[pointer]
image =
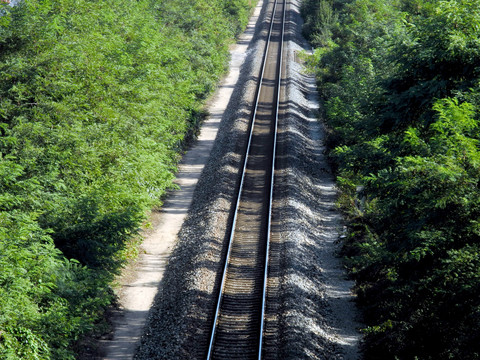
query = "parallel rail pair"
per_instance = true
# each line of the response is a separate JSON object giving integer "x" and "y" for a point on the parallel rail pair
{"x": 238, "y": 324}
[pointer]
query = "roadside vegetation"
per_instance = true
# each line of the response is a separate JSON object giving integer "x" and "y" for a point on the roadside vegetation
{"x": 97, "y": 99}
{"x": 400, "y": 83}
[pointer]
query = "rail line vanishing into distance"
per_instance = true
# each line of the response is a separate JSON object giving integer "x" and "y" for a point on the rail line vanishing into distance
{"x": 238, "y": 324}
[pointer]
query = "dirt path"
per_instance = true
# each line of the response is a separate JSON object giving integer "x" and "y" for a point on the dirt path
{"x": 138, "y": 291}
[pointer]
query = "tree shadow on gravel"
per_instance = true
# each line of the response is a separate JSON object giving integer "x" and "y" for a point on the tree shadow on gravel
{"x": 309, "y": 224}
{"x": 306, "y": 302}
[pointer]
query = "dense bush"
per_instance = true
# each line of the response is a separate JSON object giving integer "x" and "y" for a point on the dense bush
{"x": 400, "y": 82}
{"x": 96, "y": 101}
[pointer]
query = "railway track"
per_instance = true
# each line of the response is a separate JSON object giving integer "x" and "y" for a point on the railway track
{"x": 238, "y": 324}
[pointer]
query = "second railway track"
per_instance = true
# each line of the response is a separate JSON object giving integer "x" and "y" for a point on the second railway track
{"x": 238, "y": 322}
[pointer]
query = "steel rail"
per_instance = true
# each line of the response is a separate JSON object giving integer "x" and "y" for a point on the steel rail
{"x": 238, "y": 199}
{"x": 272, "y": 180}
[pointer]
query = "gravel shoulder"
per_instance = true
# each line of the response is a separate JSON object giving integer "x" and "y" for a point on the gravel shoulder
{"x": 318, "y": 317}
{"x": 312, "y": 315}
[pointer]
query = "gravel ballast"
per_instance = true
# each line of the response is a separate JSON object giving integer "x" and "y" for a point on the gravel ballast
{"x": 311, "y": 314}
